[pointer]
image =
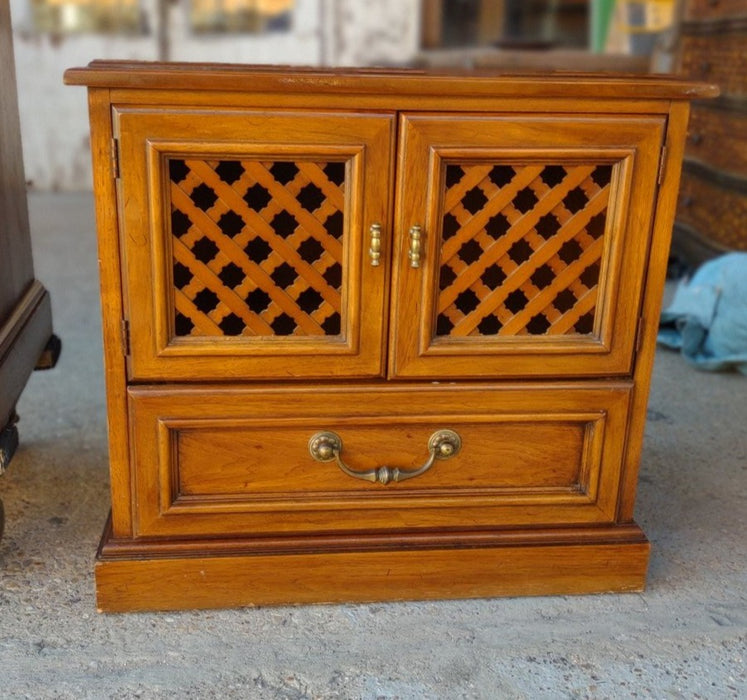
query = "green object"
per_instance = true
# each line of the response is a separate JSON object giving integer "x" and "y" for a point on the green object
{"x": 599, "y": 23}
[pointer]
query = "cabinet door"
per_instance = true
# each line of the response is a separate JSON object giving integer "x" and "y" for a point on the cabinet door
{"x": 246, "y": 242}
{"x": 521, "y": 244}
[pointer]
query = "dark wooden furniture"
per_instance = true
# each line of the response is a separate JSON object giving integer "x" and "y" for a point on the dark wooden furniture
{"x": 712, "y": 212}
{"x": 25, "y": 310}
{"x": 376, "y": 335}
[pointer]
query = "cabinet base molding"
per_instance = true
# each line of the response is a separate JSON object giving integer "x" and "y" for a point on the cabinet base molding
{"x": 139, "y": 576}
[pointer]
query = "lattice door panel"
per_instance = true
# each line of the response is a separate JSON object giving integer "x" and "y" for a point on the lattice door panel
{"x": 257, "y": 246}
{"x": 521, "y": 249}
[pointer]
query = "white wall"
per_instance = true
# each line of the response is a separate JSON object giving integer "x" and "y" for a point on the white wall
{"x": 54, "y": 117}
{"x": 370, "y": 32}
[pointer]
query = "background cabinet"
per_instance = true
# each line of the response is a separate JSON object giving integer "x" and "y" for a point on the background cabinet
{"x": 25, "y": 308}
{"x": 376, "y": 335}
{"x": 712, "y": 211}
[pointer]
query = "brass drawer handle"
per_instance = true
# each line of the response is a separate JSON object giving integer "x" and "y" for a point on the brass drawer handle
{"x": 416, "y": 234}
{"x": 375, "y": 250}
{"x": 326, "y": 446}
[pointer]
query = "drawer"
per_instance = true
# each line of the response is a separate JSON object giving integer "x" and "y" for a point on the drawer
{"x": 707, "y": 132}
{"x": 715, "y": 212}
{"x": 718, "y": 58}
{"x": 713, "y": 9}
{"x": 212, "y": 460}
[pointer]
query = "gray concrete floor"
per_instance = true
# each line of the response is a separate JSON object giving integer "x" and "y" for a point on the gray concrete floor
{"x": 685, "y": 637}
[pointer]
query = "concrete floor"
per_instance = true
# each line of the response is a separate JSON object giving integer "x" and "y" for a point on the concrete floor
{"x": 685, "y": 637}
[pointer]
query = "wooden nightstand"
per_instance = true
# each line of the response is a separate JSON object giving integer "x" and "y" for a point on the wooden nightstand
{"x": 377, "y": 335}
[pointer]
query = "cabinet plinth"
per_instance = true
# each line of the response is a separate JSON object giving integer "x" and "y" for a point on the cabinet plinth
{"x": 376, "y": 335}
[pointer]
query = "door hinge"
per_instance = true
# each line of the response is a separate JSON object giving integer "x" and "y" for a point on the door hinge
{"x": 125, "y": 337}
{"x": 662, "y": 165}
{"x": 639, "y": 333}
{"x": 115, "y": 158}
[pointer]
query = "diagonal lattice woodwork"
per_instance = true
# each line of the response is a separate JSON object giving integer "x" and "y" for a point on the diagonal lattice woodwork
{"x": 521, "y": 249}
{"x": 257, "y": 247}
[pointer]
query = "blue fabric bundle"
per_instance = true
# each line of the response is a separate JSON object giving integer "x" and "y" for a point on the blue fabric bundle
{"x": 707, "y": 319}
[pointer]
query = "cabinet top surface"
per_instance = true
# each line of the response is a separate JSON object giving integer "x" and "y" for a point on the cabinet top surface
{"x": 287, "y": 79}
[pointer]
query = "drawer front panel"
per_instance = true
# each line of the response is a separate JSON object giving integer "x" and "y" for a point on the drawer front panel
{"x": 237, "y": 461}
{"x": 213, "y": 463}
{"x": 527, "y": 245}
{"x": 246, "y": 242}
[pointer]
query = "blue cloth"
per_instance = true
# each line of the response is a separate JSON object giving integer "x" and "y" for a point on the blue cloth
{"x": 707, "y": 319}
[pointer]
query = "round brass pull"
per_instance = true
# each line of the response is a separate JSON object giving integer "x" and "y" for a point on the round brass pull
{"x": 326, "y": 446}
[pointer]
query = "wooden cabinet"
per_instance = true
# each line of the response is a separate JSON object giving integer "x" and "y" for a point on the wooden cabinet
{"x": 385, "y": 327}
{"x": 712, "y": 212}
